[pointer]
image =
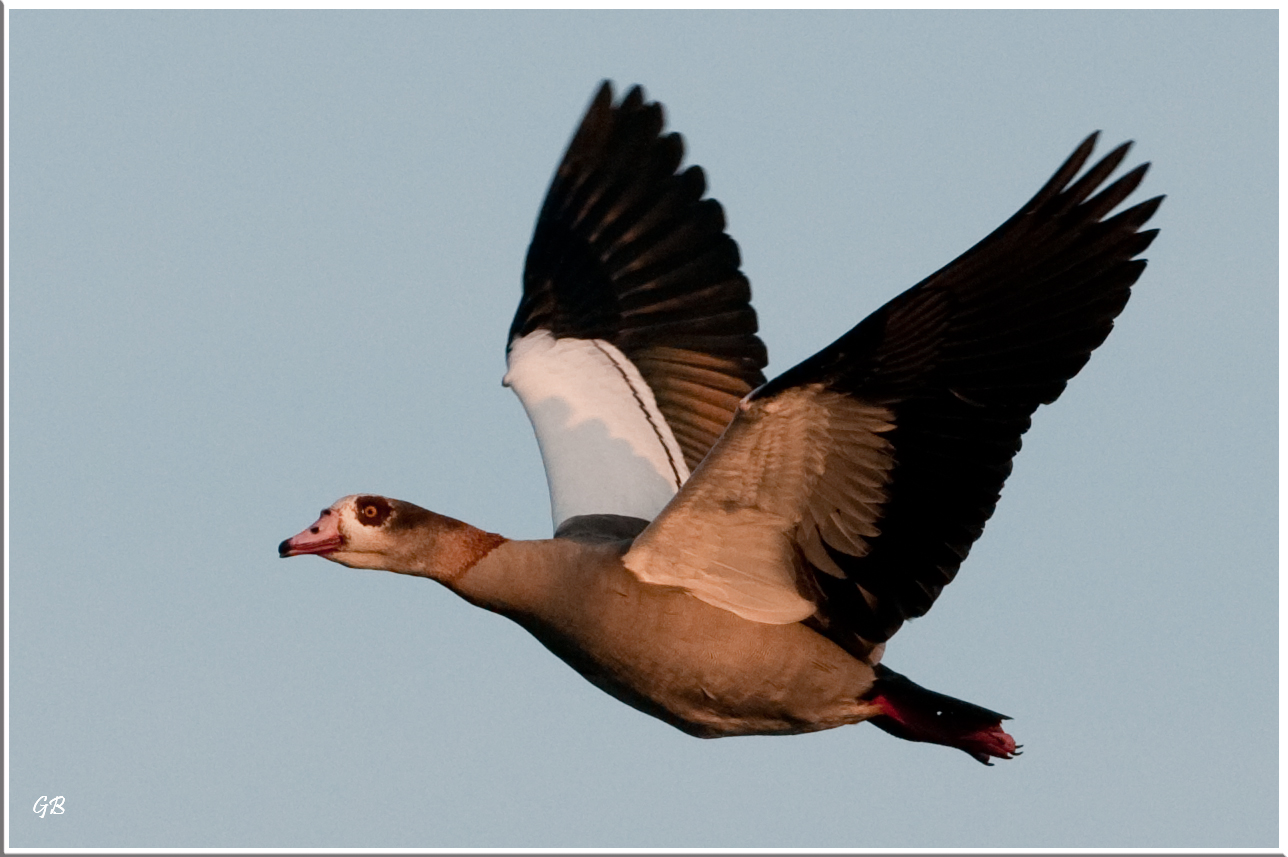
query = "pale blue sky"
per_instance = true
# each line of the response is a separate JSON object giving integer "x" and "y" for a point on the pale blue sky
{"x": 263, "y": 260}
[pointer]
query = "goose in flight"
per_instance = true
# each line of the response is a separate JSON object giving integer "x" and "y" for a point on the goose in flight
{"x": 732, "y": 555}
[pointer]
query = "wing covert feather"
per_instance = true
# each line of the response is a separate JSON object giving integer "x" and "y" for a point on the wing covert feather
{"x": 790, "y": 473}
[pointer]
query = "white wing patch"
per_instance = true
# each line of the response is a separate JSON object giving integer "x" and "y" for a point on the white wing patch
{"x": 606, "y": 447}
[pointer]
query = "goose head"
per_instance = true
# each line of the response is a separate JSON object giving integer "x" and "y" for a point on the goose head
{"x": 362, "y": 531}
{"x": 370, "y": 531}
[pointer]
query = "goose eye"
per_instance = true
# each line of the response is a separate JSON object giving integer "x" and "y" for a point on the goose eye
{"x": 371, "y": 511}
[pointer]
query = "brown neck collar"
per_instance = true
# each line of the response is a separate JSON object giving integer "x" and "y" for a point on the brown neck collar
{"x": 463, "y": 550}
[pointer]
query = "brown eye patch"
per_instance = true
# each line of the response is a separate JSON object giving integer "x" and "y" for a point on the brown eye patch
{"x": 372, "y": 511}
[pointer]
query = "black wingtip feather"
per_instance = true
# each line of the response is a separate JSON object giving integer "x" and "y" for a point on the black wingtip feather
{"x": 1065, "y": 173}
{"x": 1078, "y": 192}
{"x": 1106, "y": 200}
{"x": 1141, "y": 214}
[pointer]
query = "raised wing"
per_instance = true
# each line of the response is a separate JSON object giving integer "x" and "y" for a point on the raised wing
{"x": 848, "y": 491}
{"x": 635, "y": 338}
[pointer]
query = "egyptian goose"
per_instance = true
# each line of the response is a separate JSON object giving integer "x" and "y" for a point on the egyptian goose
{"x": 730, "y": 555}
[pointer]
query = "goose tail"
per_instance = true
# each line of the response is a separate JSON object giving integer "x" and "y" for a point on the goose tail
{"x": 914, "y": 713}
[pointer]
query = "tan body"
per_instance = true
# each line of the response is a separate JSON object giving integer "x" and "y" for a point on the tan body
{"x": 702, "y": 669}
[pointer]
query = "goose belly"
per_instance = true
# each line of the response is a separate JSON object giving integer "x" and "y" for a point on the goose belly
{"x": 705, "y": 671}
